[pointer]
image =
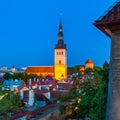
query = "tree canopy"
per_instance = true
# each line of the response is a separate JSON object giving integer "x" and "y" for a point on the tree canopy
{"x": 10, "y": 103}
{"x": 88, "y": 98}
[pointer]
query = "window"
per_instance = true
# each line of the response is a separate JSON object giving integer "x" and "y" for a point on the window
{"x": 59, "y": 61}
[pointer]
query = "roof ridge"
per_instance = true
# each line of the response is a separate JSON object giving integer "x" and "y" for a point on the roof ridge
{"x": 107, "y": 11}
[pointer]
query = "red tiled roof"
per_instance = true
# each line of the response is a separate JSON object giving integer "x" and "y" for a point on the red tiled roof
{"x": 40, "y": 69}
{"x": 42, "y": 83}
{"x": 57, "y": 94}
{"x": 89, "y": 61}
{"x": 40, "y": 91}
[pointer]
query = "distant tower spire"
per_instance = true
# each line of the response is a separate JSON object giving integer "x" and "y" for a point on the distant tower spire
{"x": 13, "y": 66}
{"x": 60, "y": 33}
{"x": 60, "y": 43}
{"x": 60, "y": 19}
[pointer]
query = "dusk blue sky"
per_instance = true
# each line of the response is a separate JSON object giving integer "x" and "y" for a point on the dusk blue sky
{"x": 29, "y": 28}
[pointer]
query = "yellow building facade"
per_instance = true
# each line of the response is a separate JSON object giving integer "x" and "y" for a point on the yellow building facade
{"x": 60, "y": 64}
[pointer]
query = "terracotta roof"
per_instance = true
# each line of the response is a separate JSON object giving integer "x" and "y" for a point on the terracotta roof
{"x": 40, "y": 91}
{"x": 89, "y": 61}
{"x": 57, "y": 94}
{"x": 110, "y": 17}
{"x": 45, "y": 81}
{"x": 40, "y": 69}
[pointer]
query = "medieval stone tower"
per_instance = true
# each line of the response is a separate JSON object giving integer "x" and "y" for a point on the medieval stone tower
{"x": 109, "y": 23}
{"x": 60, "y": 62}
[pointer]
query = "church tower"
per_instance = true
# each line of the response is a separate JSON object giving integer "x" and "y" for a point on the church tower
{"x": 60, "y": 61}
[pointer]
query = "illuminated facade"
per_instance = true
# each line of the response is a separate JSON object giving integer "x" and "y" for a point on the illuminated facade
{"x": 41, "y": 70}
{"x": 59, "y": 70}
{"x": 60, "y": 59}
{"x": 82, "y": 70}
{"x": 89, "y": 64}
{"x": 13, "y": 69}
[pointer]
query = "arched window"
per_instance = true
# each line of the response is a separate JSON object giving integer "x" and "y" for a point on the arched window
{"x": 59, "y": 61}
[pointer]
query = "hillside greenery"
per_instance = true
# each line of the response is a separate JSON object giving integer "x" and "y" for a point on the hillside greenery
{"x": 88, "y": 96}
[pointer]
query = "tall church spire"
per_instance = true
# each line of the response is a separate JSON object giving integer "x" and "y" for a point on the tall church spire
{"x": 60, "y": 33}
{"x": 60, "y": 25}
{"x": 60, "y": 43}
{"x": 60, "y": 54}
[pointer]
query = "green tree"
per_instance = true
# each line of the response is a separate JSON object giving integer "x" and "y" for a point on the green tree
{"x": 89, "y": 97}
{"x": 9, "y": 104}
{"x": 7, "y": 76}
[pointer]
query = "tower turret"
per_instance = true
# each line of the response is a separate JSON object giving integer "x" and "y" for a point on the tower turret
{"x": 109, "y": 23}
{"x": 89, "y": 64}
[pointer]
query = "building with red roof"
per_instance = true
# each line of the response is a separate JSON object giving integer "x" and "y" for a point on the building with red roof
{"x": 59, "y": 70}
{"x": 41, "y": 70}
{"x": 89, "y": 64}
